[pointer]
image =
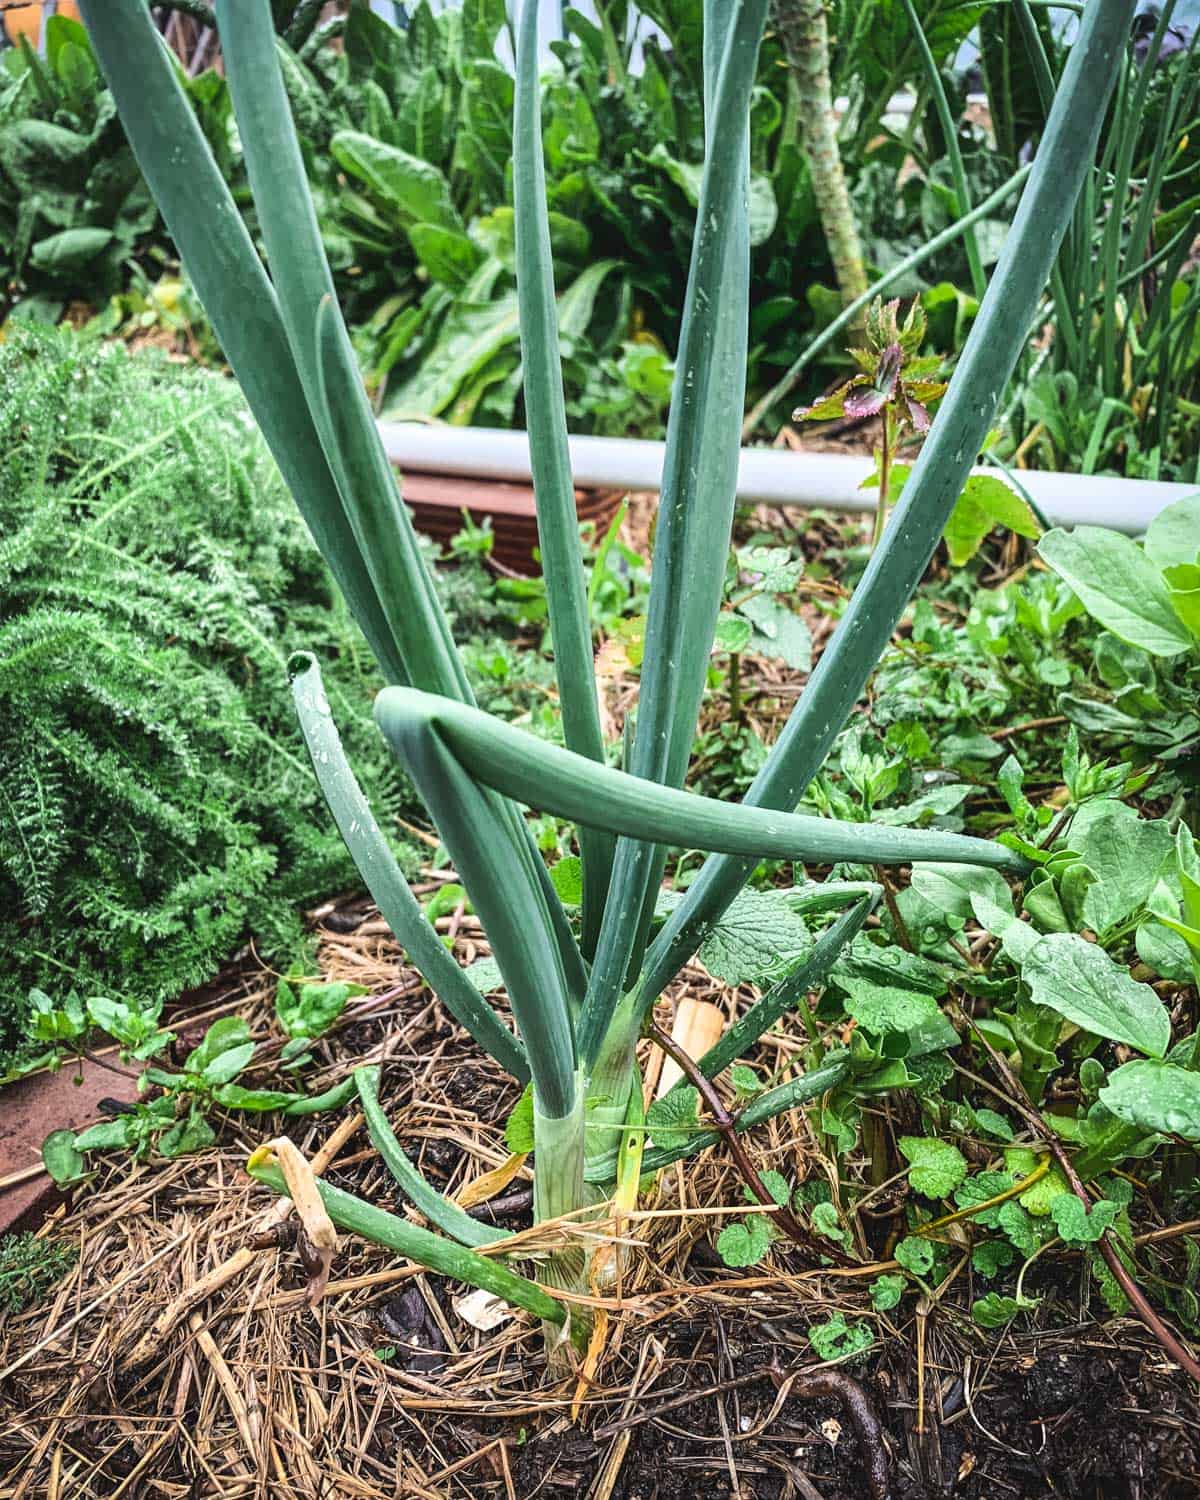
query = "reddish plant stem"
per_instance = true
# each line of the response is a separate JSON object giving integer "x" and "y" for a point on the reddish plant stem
{"x": 1138, "y": 1300}
{"x": 726, "y": 1125}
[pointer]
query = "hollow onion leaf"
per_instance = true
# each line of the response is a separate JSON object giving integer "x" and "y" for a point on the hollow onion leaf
{"x": 439, "y": 737}
{"x": 240, "y": 301}
{"x": 384, "y": 878}
{"x": 427, "y": 1249}
{"x": 554, "y": 489}
{"x": 993, "y": 346}
{"x": 440, "y": 1211}
{"x": 695, "y": 512}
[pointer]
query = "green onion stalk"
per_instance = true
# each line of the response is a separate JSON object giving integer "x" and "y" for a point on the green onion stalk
{"x": 580, "y": 991}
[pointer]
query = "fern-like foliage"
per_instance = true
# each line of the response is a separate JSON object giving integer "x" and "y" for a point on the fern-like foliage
{"x": 156, "y": 805}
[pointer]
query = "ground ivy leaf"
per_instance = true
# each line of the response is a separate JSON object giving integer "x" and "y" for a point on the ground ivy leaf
{"x": 758, "y": 937}
{"x": 485, "y": 975}
{"x": 1019, "y": 1226}
{"x": 1078, "y": 1225}
{"x": 776, "y": 1184}
{"x": 914, "y": 1254}
{"x": 990, "y": 1257}
{"x": 837, "y": 1339}
{"x": 672, "y": 1119}
{"x": 1079, "y": 981}
{"x": 745, "y": 1242}
{"x": 778, "y": 632}
{"x": 1156, "y": 1096}
{"x": 882, "y": 1008}
{"x": 825, "y": 1221}
{"x": 994, "y": 1310}
{"x": 936, "y": 1168}
{"x": 886, "y": 1291}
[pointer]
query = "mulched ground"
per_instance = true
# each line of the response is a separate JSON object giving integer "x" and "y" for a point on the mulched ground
{"x": 384, "y": 1390}
{"x": 127, "y": 1383}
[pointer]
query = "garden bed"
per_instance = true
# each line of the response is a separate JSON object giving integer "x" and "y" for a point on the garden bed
{"x": 384, "y": 1389}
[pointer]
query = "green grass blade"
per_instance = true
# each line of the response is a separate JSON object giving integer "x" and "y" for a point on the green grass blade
{"x": 383, "y": 532}
{"x": 554, "y": 489}
{"x": 436, "y": 737}
{"x": 384, "y": 878}
{"x": 695, "y": 512}
{"x": 207, "y": 228}
{"x": 950, "y": 131}
{"x": 440, "y": 1211}
{"x": 995, "y": 342}
{"x": 420, "y": 1245}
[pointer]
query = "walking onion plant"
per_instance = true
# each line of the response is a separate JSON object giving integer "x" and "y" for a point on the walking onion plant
{"x": 581, "y": 1002}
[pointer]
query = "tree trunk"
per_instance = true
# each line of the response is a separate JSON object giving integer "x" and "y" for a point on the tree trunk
{"x": 805, "y": 38}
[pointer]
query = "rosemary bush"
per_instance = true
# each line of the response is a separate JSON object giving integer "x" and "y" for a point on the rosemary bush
{"x": 580, "y": 998}
{"x": 156, "y": 806}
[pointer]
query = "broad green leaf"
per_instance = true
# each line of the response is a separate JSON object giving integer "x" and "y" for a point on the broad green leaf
{"x": 309, "y": 1010}
{"x": 985, "y": 502}
{"x": 227, "y": 1064}
{"x": 837, "y": 1339}
{"x": 518, "y": 1128}
{"x": 886, "y": 1291}
{"x": 759, "y": 937}
{"x": 221, "y": 1036}
{"x": 1119, "y": 585}
{"x": 953, "y": 888}
{"x": 447, "y": 254}
{"x": 1155, "y": 1096}
{"x": 567, "y": 878}
{"x": 778, "y": 632}
{"x": 1126, "y": 853}
{"x": 1078, "y": 1225}
{"x": 61, "y": 1157}
{"x": 108, "y": 1135}
{"x": 936, "y": 1167}
{"x": 995, "y": 1124}
{"x": 995, "y": 1310}
{"x": 990, "y": 1257}
{"x": 915, "y": 1254}
{"x": 234, "y": 1096}
{"x": 1079, "y": 981}
{"x": 1183, "y": 588}
{"x": 414, "y": 191}
{"x": 1173, "y": 536}
{"x": 66, "y": 251}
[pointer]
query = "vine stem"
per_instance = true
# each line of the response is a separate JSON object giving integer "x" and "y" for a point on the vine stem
{"x": 1138, "y": 1300}
{"x": 726, "y": 1125}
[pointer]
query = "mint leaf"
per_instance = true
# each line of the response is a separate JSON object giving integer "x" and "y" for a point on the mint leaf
{"x": 883, "y": 1008}
{"x": 672, "y": 1120}
{"x": 937, "y": 1166}
{"x": 518, "y": 1128}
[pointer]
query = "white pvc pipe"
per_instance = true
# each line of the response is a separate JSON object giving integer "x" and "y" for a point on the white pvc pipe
{"x": 775, "y": 476}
